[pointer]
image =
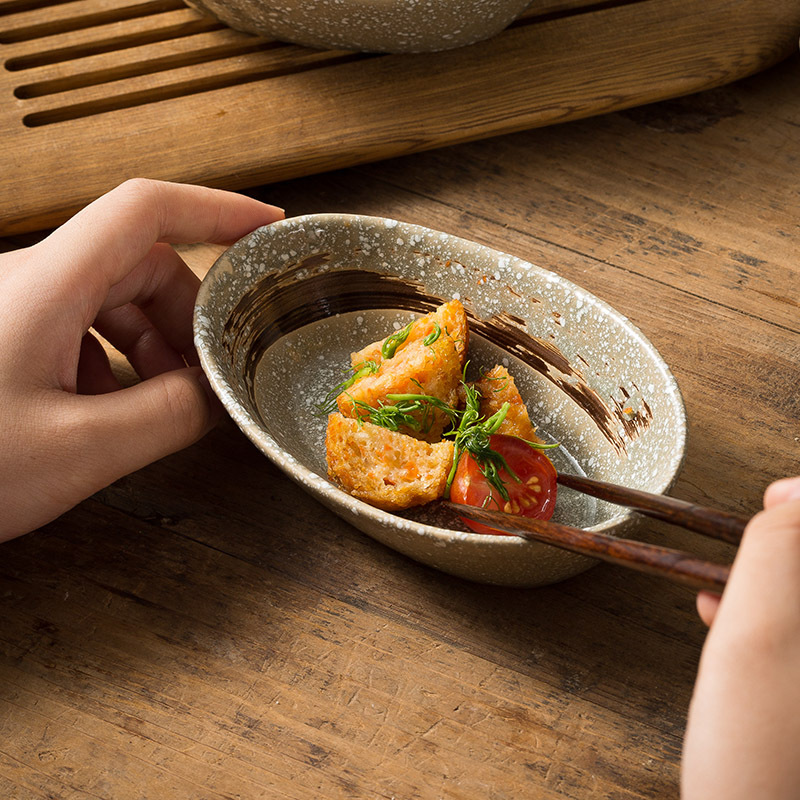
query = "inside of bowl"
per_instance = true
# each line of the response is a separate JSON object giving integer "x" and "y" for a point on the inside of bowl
{"x": 295, "y": 374}
{"x": 294, "y": 300}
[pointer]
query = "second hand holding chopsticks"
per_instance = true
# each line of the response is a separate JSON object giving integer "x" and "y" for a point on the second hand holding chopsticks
{"x": 675, "y": 565}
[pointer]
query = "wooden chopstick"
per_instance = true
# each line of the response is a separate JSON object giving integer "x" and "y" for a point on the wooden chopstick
{"x": 708, "y": 521}
{"x": 675, "y": 565}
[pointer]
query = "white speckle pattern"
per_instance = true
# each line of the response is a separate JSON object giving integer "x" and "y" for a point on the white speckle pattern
{"x": 604, "y": 349}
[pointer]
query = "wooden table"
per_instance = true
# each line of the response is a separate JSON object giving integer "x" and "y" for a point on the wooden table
{"x": 203, "y": 629}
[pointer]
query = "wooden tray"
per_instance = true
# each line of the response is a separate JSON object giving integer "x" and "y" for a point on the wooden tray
{"x": 96, "y": 91}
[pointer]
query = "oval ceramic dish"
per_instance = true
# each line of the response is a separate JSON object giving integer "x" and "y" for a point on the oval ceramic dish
{"x": 280, "y": 311}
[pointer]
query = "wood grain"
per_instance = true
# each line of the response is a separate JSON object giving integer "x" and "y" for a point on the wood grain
{"x": 202, "y": 629}
{"x": 238, "y": 114}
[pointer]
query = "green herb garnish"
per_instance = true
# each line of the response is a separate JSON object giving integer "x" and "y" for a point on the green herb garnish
{"x": 393, "y": 416}
{"x": 470, "y": 432}
{"x": 391, "y": 343}
{"x": 433, "y": 335}
{"x": 472, "y": 436}
{"x": 328, "y": 405}
{"x": 501, "y": 379}
{"x": 404, "y": 410}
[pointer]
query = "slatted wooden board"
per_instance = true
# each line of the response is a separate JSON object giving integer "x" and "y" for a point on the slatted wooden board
{"x": 96, "y": 91}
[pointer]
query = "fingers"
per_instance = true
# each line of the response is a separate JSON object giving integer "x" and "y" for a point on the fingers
{"x": 760, "y": 601}
{"x": 164, "y": 289}
{"x": 100, "y": 245}
{"x": 781, "y": 492}
{"x": 707, "y": 605}
{"x": 743, "y": 726}
{"x": 121, "y": 432}
{"x": 94, "y": 370}
{"x": 769, "y": 555}
{"x": 767, "y": 535}
{"x": 113, "y": 253}
{"x": 147, "y": 316}
{"x": 132, "y": 333}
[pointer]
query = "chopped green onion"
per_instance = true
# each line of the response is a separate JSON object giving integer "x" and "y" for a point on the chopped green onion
{"x": 433, "y": 335}
{"x": 328, "y": 405}
{"x": 391, "y": 343}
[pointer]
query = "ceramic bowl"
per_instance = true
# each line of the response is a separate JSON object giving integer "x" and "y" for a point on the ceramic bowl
{"x": 385, "y": 26}
{"x": 280, "y": 311}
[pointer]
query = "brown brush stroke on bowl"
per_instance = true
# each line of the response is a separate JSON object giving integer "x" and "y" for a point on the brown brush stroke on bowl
{"x": 307, "y": 292}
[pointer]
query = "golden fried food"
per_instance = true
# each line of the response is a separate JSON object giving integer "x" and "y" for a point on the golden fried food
{"x": 451, "y": 320}
{"x": 385, "y": 468}
{"x": 407, "y": 390}
{"x": 427, "y": 361}
{"x": 497, "y": 387}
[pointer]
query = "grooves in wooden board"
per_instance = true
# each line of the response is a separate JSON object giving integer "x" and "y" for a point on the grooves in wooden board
{"x": 19, "y": 6}
{"x": 91, "y": 20}
{"x": 150, "y": 67}
{"x": 34, "y": 59}
{"x": 227, "y": 47}
{"x": 667, "y": 48}
{"x": 184, "y": 89}
{"x": 112, "y": 43}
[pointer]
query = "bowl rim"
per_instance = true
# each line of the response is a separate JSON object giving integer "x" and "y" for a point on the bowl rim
{"x": 336, "y": 496}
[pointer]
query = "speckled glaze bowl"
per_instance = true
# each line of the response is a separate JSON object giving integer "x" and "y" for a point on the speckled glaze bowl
{"x": 280, "y": 311}
{"x": 385, "y": 26}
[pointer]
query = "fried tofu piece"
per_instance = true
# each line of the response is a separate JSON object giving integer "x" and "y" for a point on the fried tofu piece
{"x": 415, "y": 368}
{"x": 497, "y": 387}
{"x": 452, "y": 321}
{"x": 385, "y": 468}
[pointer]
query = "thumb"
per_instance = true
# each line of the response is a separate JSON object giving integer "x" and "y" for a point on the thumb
{"x": 781, "y": 492}
{"x": 743, "y": 726}
{"x": 769, "y": 550}
{"x": 122, "y": 431}
{"x": 763, "y": 585}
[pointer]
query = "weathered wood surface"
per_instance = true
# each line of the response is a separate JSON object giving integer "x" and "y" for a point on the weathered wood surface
{"x": 203, "y": 629}
{"x": 94, "y": 91}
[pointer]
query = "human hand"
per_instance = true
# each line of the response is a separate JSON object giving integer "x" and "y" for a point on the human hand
{"x": 744, "y": 720}
{"x": 69, "y": 428}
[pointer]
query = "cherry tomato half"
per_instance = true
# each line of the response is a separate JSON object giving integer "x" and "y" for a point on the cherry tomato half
{"x": 533, "y": 496}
